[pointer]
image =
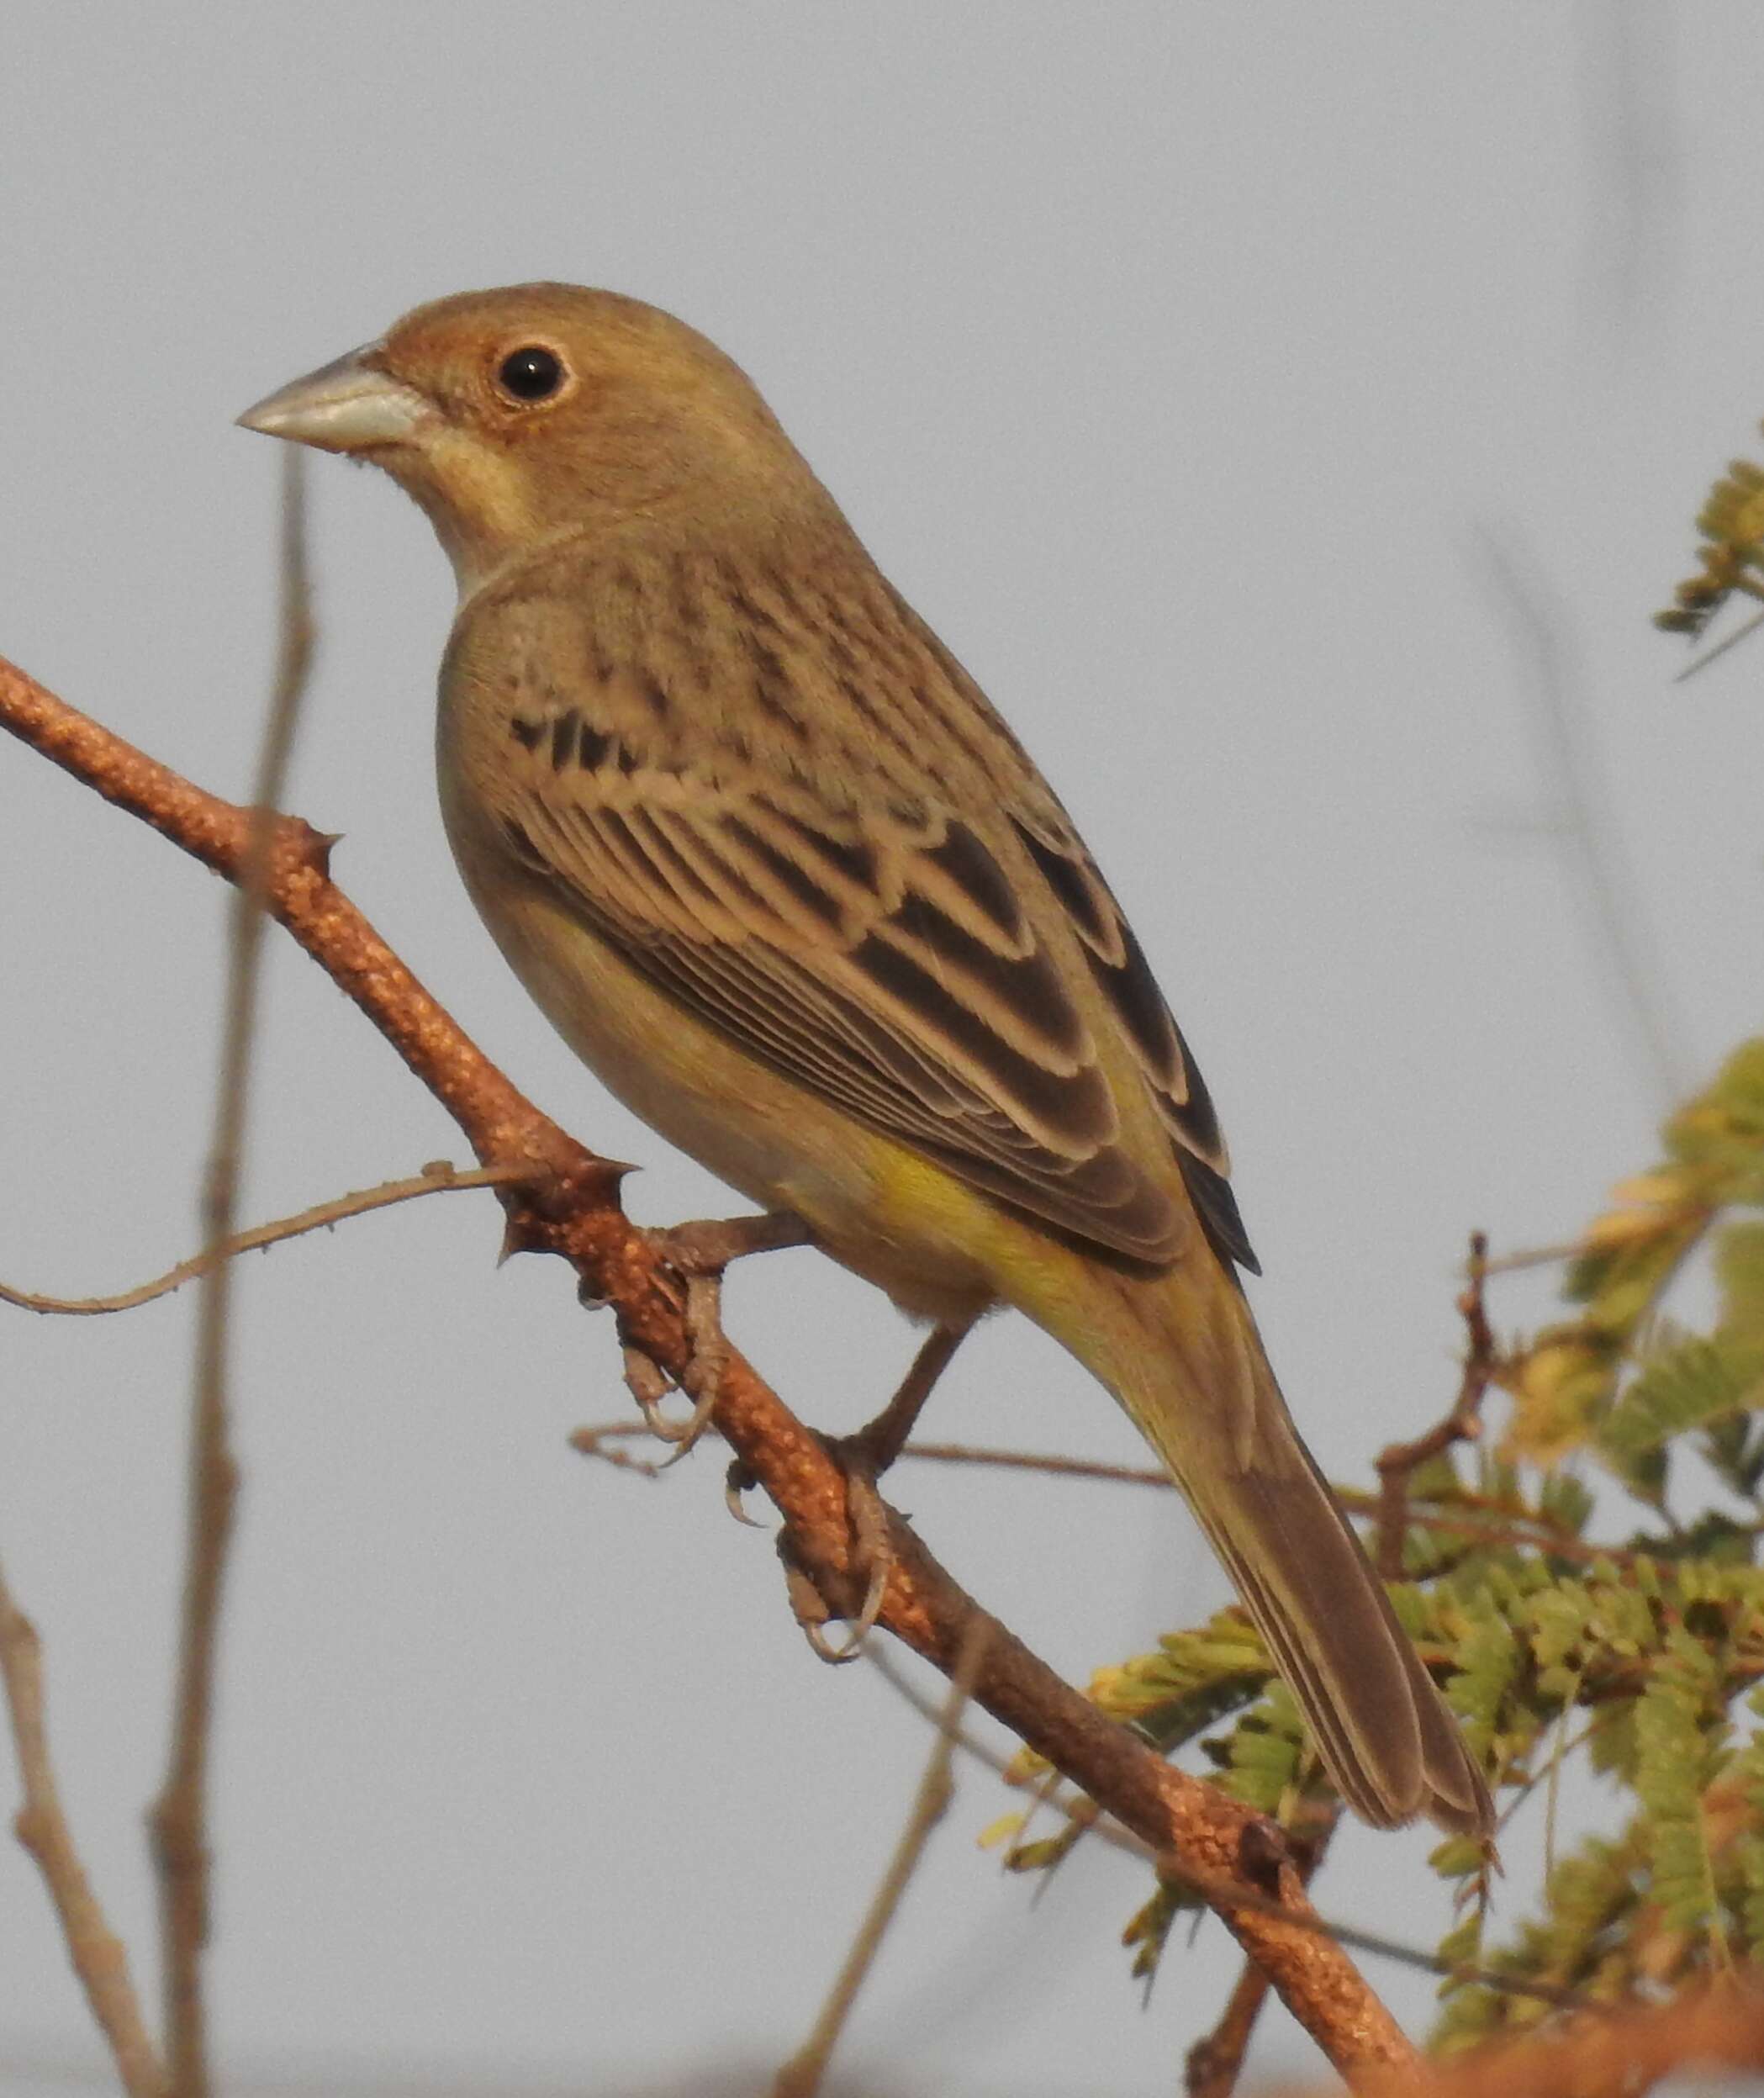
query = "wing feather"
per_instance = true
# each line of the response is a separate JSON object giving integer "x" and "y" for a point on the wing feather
{"x": 1118, "y": 963}
{"x": 884, "y": 960}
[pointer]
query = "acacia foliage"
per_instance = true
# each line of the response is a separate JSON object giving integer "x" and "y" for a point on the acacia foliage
{"x": 1623, "y": 1627}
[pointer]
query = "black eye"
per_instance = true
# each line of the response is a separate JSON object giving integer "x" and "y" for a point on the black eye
{"x": 532, "y": 373}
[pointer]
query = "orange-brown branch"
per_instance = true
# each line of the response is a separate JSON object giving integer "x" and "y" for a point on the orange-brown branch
{"x": 570, "y": 1206}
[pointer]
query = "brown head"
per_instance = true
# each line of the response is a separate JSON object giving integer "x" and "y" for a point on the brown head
{"x": 512, "y": 415}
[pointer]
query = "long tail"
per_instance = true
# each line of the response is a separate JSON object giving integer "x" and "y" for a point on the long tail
{"x": 1187, "y": 1362}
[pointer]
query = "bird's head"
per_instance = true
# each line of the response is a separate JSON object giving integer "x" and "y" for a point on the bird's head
{"x": 513, "y": 415}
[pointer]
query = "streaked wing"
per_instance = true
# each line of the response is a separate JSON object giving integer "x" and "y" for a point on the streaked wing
{"x": 879, "y": 956}
{"x": 1118, "y": 963}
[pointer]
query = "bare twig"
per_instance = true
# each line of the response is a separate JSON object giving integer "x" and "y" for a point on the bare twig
{"x": 1534, "y": 1256}
{"x": 1478, "y": 1522}
{"x": 1634, "y": 180}
{"x": 1585, "y": 825}
{"x": 99, "y": 1960}
{"x": 800, "y": 2076}
{"x": 1214, "y": 2063}
{"x": 1461, "y": 1423}
{"x": 1081, "y": 1812}
{"x": 602, "y": 1441}
{"x": 438, "y": 1179}
{"x": 179, "y": 1815}
{"x": 1358, "y": 1939}
{"x": 1028, "y": 1461}
{"x": 1718, "y": 649}
{"x": 570, "y": 1208}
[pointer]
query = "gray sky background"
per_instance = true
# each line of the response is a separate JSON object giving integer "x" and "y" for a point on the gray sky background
{"x": 1265, "y": 402}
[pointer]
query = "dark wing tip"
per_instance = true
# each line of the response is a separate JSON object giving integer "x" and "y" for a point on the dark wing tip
{"x": 1217, "y": 1206}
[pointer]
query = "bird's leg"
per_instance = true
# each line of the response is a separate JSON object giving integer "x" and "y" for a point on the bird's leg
{"x": 879, "y": 1442}
{"x": 699, "y": 1253}
{"x": 863, "y": 1457}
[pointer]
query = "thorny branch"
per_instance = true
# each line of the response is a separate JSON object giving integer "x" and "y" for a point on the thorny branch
{"x": 569, "y": 1206}
{"x": 439, "y": 1178}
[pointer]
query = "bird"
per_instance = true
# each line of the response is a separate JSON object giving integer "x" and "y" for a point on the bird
{"x": 769, "y": 859}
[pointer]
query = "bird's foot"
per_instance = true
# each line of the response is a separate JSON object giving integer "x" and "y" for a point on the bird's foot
{"x": 699, "y": 1253}
{"x": 871, "y": 1553}
{"x": 706, "y": 1247}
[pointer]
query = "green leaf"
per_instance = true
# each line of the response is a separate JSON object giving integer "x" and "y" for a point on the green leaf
{"x": 1740, "y": 1277}
{"x": 1691, "y": 1382}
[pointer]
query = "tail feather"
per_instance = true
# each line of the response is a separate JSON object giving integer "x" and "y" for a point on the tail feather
{"x": 1389, "y": 1745}
{"x": 1210, "y": 1406}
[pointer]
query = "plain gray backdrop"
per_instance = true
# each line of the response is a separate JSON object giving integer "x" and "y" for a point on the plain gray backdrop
{"x": 1292, "y": 415}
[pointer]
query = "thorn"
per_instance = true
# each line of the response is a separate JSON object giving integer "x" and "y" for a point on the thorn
{"x": 316, "y": 848}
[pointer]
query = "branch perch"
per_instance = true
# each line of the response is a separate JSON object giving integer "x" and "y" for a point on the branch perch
{"x": 569, "y": 1206}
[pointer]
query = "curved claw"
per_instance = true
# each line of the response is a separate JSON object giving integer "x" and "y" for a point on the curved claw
{"x": 683, "y": 1435}
{"x": 735, "y": 1483}
{"x": 873, "y": 1598}
{"x": 648, "y": 1385}
{"x": 859, "y": 1627}
{"x": 704, "y": 1374}
{"x": 825, "y": 1650}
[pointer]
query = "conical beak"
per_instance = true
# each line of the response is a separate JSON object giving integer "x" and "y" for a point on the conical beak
{"x": 347, "y": 406}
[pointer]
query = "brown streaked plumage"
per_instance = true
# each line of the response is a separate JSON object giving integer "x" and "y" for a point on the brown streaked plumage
{"x": 765, "y": 855}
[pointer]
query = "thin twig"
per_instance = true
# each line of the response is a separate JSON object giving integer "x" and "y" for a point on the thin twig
{"x": 1531, "y": 1533}
{"x": 1476, "y": 1518}
{"x": 1079, "y": 1811}
{"x": 99, "y": 1960}
{"x": 1028, "y": 1461}
{"x": 439, "y": 1179}
{"x": 1462, "y": 1421}
{"x": 1571, "y": 1745}
{"x": 1379, "y": 1947}
{"x": 602, "y": 1442}
{"x": 1535, "y": 1257}
{"x": 800, "y": 2076}
{"x": 1732, "y": 641}
{"x": 179, "y": 1816}
{"x": 1633, "y": 173}
{"x": 1587, "y": 829}
{"x": 1478, "y": 1521}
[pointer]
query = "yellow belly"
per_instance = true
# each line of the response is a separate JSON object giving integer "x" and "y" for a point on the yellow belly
{"x": 894, "y": 1218}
